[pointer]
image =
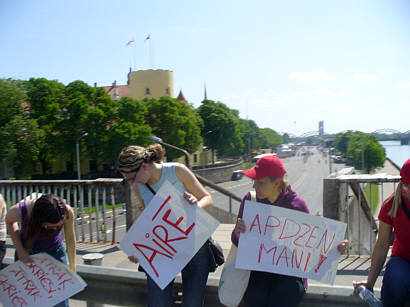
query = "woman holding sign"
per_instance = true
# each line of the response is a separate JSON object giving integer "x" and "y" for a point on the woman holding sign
{"x": 42, "y": 221}
{"x": 265, "y": 288}
{"x": 394, "y": 216}
{"x": 143, "y": 169}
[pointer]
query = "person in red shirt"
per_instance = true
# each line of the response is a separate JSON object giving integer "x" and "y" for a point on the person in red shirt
{"x": 394, "y": 216}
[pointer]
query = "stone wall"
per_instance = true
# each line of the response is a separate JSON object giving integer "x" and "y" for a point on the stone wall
{"x": 221, "y": 173}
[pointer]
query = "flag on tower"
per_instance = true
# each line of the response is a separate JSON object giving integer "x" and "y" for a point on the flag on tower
{"x": 131, "y": 42}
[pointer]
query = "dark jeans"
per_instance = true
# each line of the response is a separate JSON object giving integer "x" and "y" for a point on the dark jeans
{"x": 396, "y": 282}
{"x": 273, "y": 290}
{"x": 194, "y": 277}
{"x": 2, "y": 251}
{"x": 59, "y": 254}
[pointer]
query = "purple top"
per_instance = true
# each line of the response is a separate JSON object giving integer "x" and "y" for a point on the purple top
{"x": 43, "y": 243}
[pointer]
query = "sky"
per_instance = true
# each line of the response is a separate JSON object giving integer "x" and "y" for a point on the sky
{"x": 284, "y": 64}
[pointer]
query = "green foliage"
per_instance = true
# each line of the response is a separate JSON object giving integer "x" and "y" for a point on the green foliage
{"x": 270, "y": 138}
{"x": 342, "y": 140}
{"x": 372, "y": 194}
{"x": 285, "y": 138}
{"x": 374, "y": 153}
{"x": 44, "y": 98}
{"x": 20, "y": 136}
{"x": 130, "y": 128}
{"x": 176, "y": 123}
{"x": 221, "y": 131}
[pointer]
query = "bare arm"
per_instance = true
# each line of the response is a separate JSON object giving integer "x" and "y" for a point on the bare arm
{"x": 200, "y": 196}
{"x": 70, "y": 238}
{"x": 12, "y": 218}
{"x": 379, "y": 254}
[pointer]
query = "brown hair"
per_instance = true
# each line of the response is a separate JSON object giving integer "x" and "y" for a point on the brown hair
{"x": 46, "y": 209}
{"x": 131, "y": 157}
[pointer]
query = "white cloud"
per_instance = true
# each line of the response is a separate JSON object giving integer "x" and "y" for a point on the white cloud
{"x": 365, "y": 78}
{"x": 270, "y": 92}
{"x": 404, "y": 85}
{"x": 320, "y": 75}
{"x": 324, "y": 92}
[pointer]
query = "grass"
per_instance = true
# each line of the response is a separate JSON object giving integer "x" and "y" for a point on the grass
{"x": 107, "y": 207}
{"x": 375, "y": 195}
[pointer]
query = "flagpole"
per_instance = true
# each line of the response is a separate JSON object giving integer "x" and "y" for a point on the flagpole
{"x": 135, "y": 57}
{"x": 151, "y": 55}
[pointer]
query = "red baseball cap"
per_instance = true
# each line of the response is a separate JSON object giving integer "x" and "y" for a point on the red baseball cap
{"x": 405, "y": 172}
{"x": 266, "y": 166}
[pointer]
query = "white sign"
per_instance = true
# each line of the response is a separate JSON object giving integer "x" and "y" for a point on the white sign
{"x": 167, "y": 234}
{"x": 44, "y": 282}
{"x": 289, "y": 242}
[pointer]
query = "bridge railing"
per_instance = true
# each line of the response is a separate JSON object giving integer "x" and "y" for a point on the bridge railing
{"x": 356, "y": 200}
{"x": 95, "y": 202}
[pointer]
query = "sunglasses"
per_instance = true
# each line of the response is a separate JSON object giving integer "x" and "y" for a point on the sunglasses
{"x": 54, "y": 227}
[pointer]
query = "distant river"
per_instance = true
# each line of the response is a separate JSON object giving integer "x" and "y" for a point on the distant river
{"x": 396, "y": 152}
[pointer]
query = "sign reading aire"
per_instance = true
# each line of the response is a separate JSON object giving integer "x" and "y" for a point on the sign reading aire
{"x": 167, "y": 234}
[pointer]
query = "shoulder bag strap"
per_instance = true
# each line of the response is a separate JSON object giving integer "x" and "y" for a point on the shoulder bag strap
{"x": 150, "y": 188}
{"x": 253, "y": 196}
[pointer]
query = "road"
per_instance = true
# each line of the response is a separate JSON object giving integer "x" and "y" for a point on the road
{"x": 305, "y": 174}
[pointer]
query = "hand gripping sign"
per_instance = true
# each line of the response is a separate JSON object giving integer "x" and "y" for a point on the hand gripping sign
{"x": 289, "y": 242}
{"x": 167, "y": 234}
{"x": 44, "y": 282}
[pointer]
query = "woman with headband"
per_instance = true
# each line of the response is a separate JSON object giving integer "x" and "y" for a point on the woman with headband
{"x": 143, "y": 169}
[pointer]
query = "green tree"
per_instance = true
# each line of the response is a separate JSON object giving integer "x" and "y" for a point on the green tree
{"x": 342, "y": 140}
{"x": 374, "y": 153}
{"x": 176, "y": 123}
{"x": 250, "y": 135}
{"x": 130, "y": 128}
{"x": 221, "y": 130}
{"x": 102, "y": 116}
{"x": 285, "y": 138}
{"x": 78, "y": 101}
{"x": 19, "y": 135}
{"x": 270, "y": 138}
{"x": 45, "y": 98}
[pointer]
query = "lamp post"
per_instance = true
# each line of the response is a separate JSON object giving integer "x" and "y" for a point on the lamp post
{"x": 159, "y": 141}
{"x": 77, "y": 146}
{"x": 362, "y": 153}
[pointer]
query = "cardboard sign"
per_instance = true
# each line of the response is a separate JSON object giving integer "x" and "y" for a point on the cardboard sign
{"x": 167, "y": 234}
{"x": 289, "y": 242}
{"x": 44, "y": 282}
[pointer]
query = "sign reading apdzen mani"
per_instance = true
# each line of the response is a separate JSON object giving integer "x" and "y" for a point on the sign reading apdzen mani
{"x": 289, "y": 242}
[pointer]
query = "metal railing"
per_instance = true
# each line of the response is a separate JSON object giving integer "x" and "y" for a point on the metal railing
{"x": 93, "y": 201}
{"x": 356, "y": 200}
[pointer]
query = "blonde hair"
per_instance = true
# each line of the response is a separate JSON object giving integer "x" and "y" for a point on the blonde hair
{"x": 397, "y": 200}
{"x": 2, "y": 204}
{"x": 283, "y": 182}
{"x": 131, "y": 157}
